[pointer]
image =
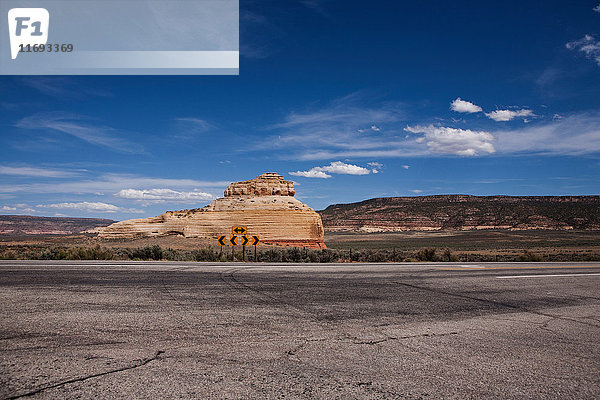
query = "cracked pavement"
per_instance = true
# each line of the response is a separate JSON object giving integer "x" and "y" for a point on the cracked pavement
{"x": 355, "y": 331}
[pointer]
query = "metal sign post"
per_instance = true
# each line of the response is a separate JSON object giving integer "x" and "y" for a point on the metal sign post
{"x": 245, "y": 241}
{"x": 255, "y": 242}
{"x": 222, "y": 240}
{"x": 233, "y": 243}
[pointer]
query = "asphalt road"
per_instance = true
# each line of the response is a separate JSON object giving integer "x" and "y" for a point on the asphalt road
{"x": 141, "y": 330}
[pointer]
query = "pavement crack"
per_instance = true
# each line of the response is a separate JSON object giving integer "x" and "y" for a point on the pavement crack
{"x": 371, "y": 342}
{"x": 494, "y": 302}
{"x": 229, "y": 278}
{"x": 135, "y": 364}
{"x": 390, "y": 338}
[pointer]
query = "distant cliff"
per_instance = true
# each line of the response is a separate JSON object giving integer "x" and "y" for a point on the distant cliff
{"x": 28, "y": 225}
{"x": 463, "y": 212}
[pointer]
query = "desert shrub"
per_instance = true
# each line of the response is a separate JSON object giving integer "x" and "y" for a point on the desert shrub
{"x": 205, "y": 255}
{"x": 374, "y": 256}
{"x": 529, "y": 257}
{"x": 427, "y": 254}
{"x": 293, "y": 254}
{"x": 147, "y": 253}
{"x": 447, "y": 255}
{"x": 327, "y": 255}
{"x": 8, "y": 255}
{"x": 272, "y": 255}
{"x": 313, "y": 256}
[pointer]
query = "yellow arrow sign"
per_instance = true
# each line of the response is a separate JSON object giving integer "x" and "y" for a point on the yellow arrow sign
{"x": 239, "y": 230}
{"x": 245, "y": 240}
{"x": 255, "y": 240}
{"x": 233, "y": 240}
{"x": 222, "y": 240}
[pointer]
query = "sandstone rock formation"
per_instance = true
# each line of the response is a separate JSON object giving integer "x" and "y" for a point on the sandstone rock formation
{"x": 268, "y": 184}
{"x": 265, "y": 205}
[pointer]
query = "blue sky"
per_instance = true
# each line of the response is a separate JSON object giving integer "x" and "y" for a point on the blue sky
{"x": 349, "y": 99}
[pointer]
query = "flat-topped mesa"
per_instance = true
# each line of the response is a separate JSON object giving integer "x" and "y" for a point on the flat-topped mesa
{"x": 265, "y": 205}
{"x": 267, "y": 184}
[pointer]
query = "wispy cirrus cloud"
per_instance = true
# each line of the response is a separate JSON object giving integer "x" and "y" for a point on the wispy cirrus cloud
{"x": 573, "y": 135}
{"x": 338, "y": 126}
{"x": 79, "y": 127}
{"x": 108, "y": 183}
{"x": 61, "y": 87}
{"x": 37, "y": 172}
{"x": 191, "y": 127}
{"x": 199, "y": 124}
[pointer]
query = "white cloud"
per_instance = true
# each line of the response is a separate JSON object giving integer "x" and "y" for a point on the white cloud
{"x": 312, "y": 173}
{"x": 508, "y": 115}
{"x": 375, "y": 167}
{"x": 588, "y": 45}
{"x": 336, "y": 167}
{"x": 374, "y": 128}
{"x": 19, "y": 208}
{"x": 163, "y": 195}
{"x": 36, "y": 172}
{"x": 464, "y": 106}
{"x": 90, "y": 206}
{"x": 462, "y": 142}
{"x": 406, "y": 166}
{"x": 597, "y": 8}
{"x": 417, "y": 191}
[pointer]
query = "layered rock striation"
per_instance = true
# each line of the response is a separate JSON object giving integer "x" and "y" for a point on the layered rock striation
{"x": 30, "y": 225}
{"x": 265, "y": 205}
{"x": 464, "y": 212}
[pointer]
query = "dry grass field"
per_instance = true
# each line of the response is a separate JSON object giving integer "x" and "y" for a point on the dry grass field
{"x": 542, "y": 243}
{"x": 497, "y": 245}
